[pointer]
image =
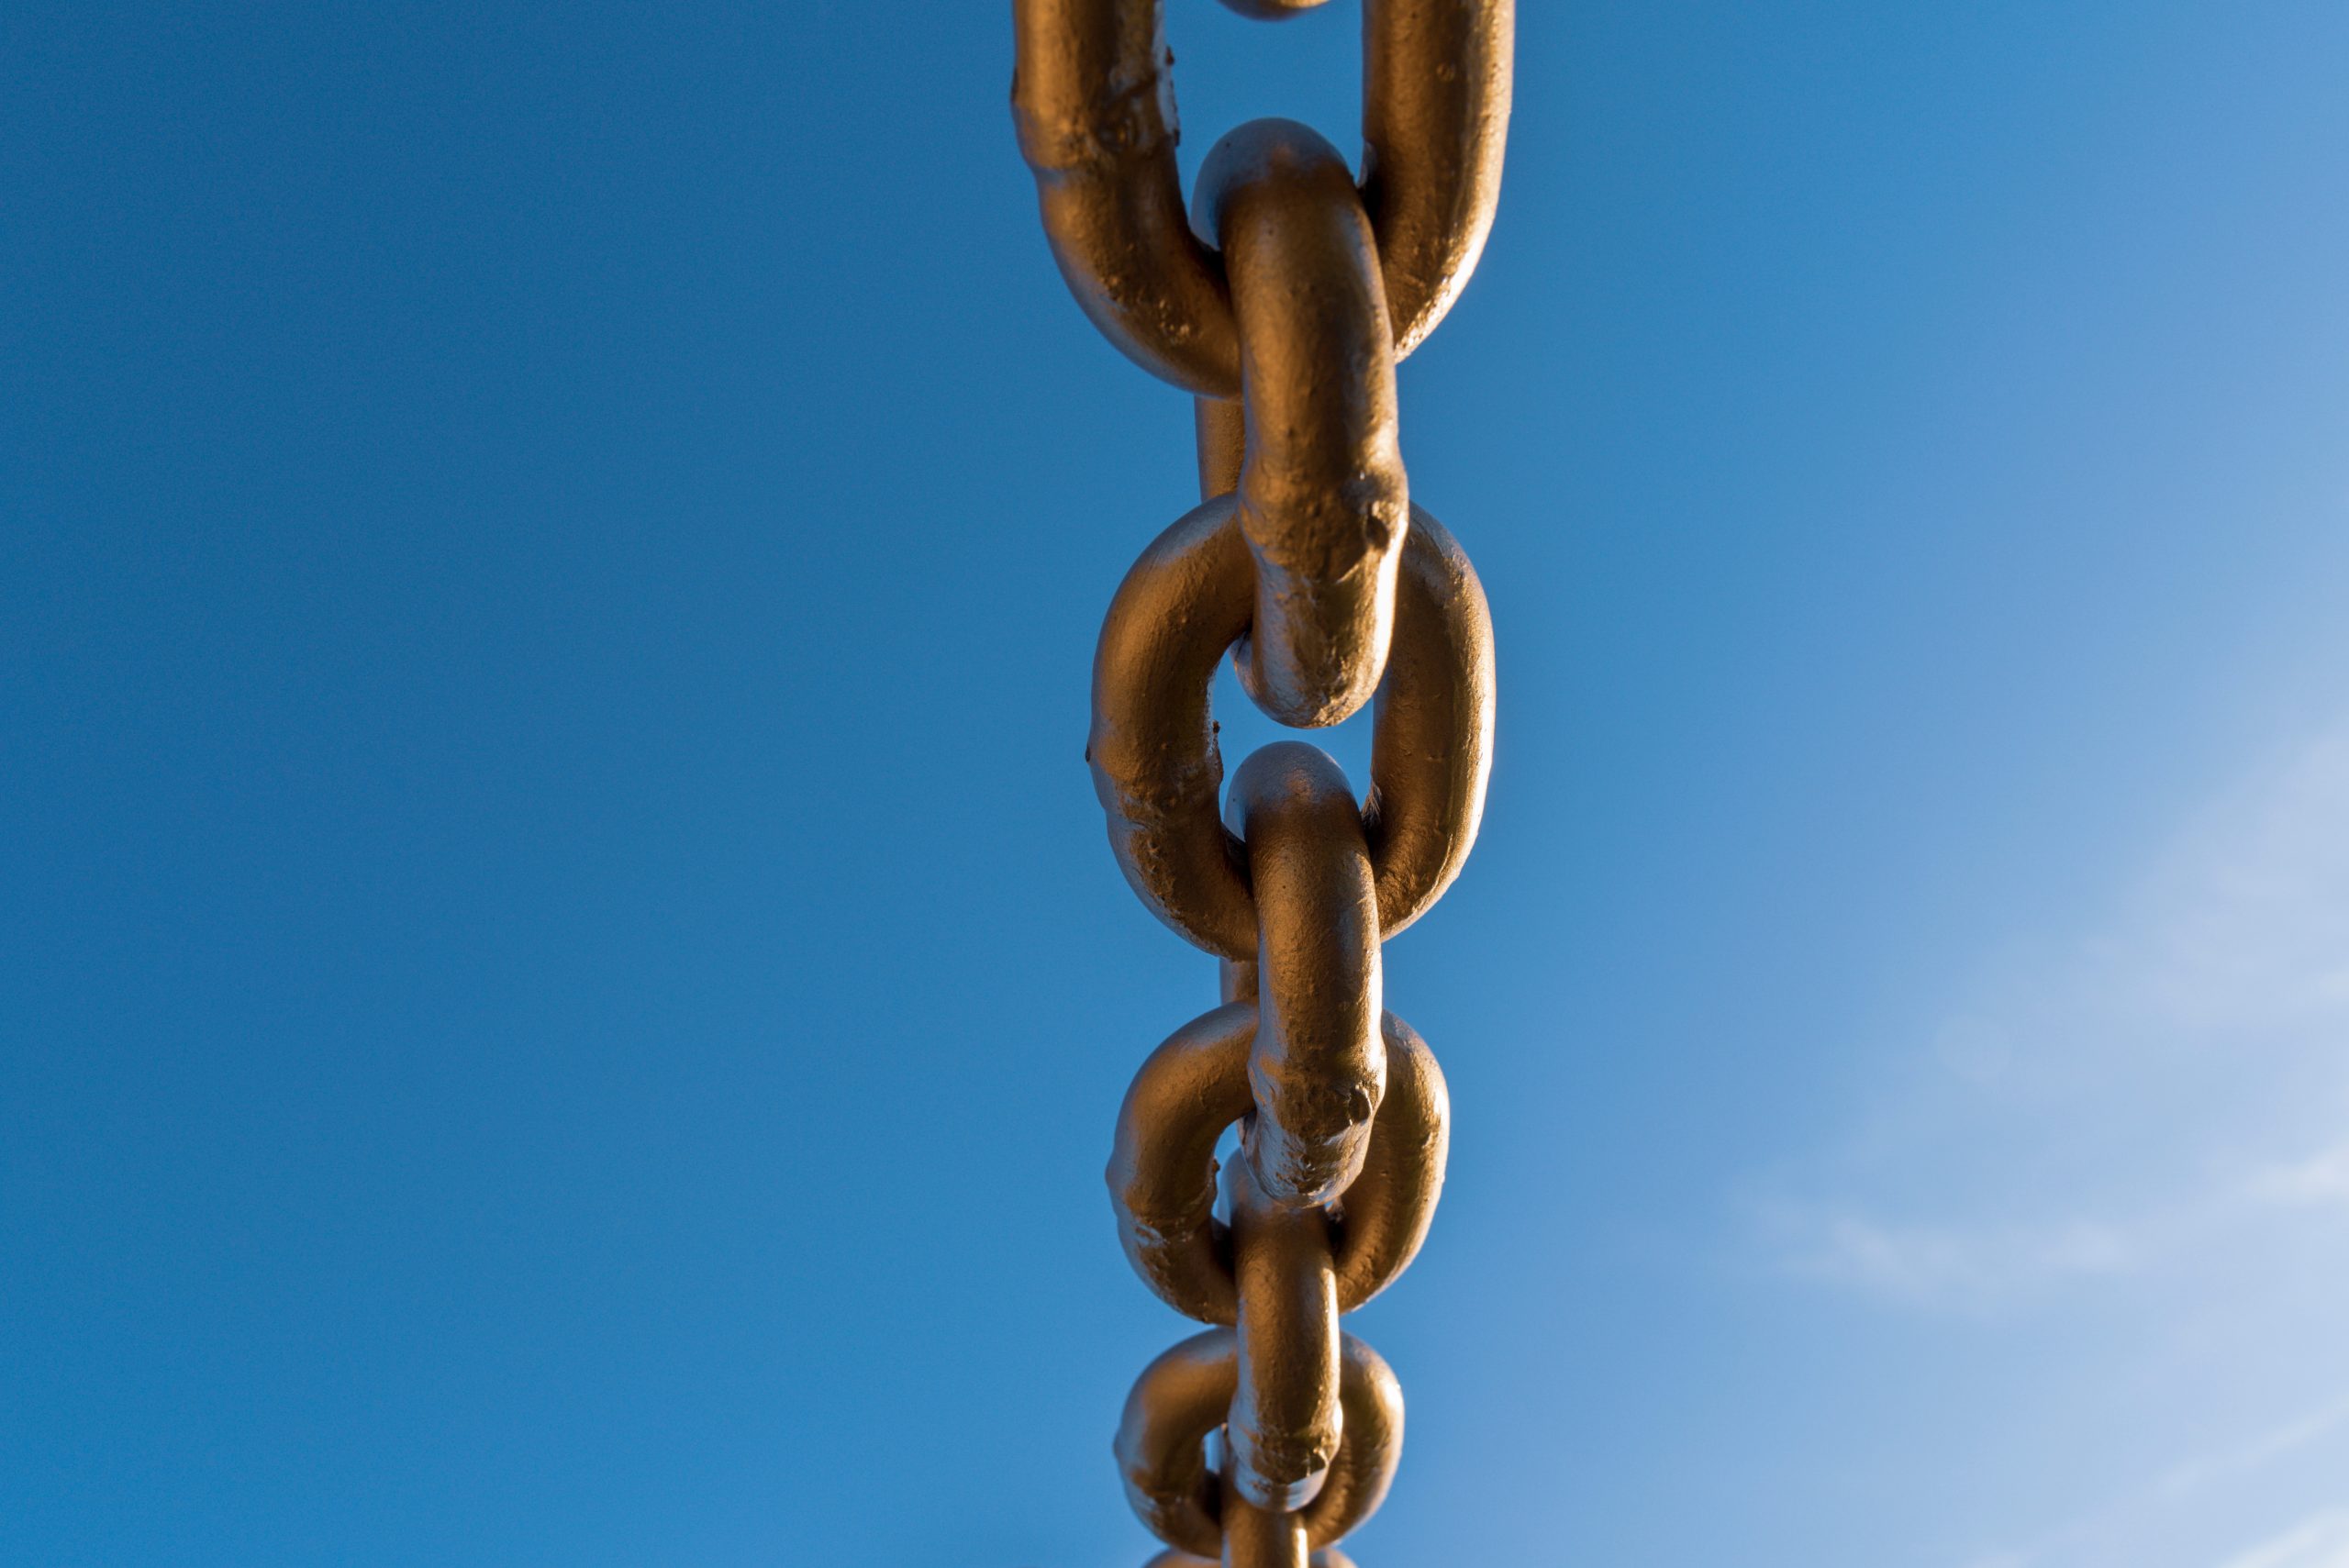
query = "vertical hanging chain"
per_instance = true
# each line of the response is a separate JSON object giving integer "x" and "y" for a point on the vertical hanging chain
{"x": 1282, "y": 300}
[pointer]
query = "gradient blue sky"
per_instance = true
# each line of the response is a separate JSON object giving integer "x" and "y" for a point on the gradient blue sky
{"x": 562, "y": 991}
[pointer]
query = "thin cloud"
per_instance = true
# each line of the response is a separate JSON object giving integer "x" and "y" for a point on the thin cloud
{"x": 2140, "y": 1128}
{"x": 2277, "y": 1442}
{"x": 2322, "y": 1179}
{"x": 2318, "y": 1541}
{"x": 2135, "y": 1084}
{"x": 2107, "y": 1533}
{"x": 1969, "y": 1269}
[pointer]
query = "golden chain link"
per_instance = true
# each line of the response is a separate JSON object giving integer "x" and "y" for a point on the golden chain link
{"x": 1308, "y": 564}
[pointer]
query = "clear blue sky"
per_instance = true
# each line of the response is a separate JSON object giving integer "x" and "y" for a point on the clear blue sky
{"x": 563, "y": 994}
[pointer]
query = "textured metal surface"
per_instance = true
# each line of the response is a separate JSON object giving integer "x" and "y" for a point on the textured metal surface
{"x": 1183, "y": 1398}
{"x": 1264, "y": 1442}
{"x": 1282, "y": 1429}
{"x": 1322, "y": 499}
{"x": 1318, "y": 1066}
{"x": 1435, "y": 101}
{"x": 1093, "y": 95}
{"x": 1163, "y": 1171}
{"x": 1159, "y": 774}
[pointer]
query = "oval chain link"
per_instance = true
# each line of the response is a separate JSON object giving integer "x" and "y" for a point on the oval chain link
{"x": 1323, "y": 501}
{"x": 1159, "y": 772}
{"x": 1264, "y": 1442}
{"x": 1093, "y": 95}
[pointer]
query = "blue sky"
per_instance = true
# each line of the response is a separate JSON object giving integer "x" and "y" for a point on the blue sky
{"x": 564, "y": 993}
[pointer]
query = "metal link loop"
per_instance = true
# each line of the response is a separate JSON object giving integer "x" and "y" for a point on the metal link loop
{"x": 1182, "y": 1397}
{"x": 1093, "y": 101}
{"x": 1161, "y": 1448}
{"x": 1163, "y": 1171}
{"x": 1319, "y": 1068}
{"x": 1159, "y": 773}
{"x": 1323, "y": 502}
{"x": 1282, "y": 1429}
{"x": 1332, "y": 1558}
{"x": 1220, "y": 427}
{"x": 1291, "y": 1284}
{"x": 1270, "y": 10}
{"x": 1435, "y": 104}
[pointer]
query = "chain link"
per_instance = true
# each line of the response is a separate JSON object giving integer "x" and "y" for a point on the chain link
{"x": 1283, "y": 299}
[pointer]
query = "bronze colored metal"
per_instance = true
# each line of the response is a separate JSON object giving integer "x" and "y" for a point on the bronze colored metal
{"x": 1282, "y": 1429}
{"x": 1158, "y": 772}
{"x": 1370, "y": 1404}
{"x": 1162, "y": 1169}
{"x": 1306, "y": 562}
{"x": 1222, "y": 429}
{"x": 1269, "y": 10}
{"x": 1318, "y": 1067}
{"x": 1261, "y": 1537}
{"x": 1383, "y": 1217}
{"x": 1092, "y": 95}
{"x": 1435, "y": 102}
{"x": 1323, "y": 498}
{"x": 1177, "y": 1401}
{"x": 1431, "y": 752}
{"x": 1181, "y": 1399}
{"x": 1332, "y": 1558}
{"x": 1094, "y": 102}
{"x": 1163, "y": 1172}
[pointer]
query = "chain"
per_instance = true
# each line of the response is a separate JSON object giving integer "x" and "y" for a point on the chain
{"x": 1282, "y": 300}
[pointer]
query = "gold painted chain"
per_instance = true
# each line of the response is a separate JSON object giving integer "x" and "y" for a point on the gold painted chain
{"x": 1282, "y": 300}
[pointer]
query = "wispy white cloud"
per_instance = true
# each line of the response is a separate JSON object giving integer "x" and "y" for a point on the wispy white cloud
{"x": 2318, "y": 1541}
{"x": 1969, "y": 1268}
{"x": 2286, "y": 1438}
{"x": 2134, "y": 1085}
{"x": 2321, "y": 1178}
{"x": 2139, "y": 1132}
{"x": 2112, "y": 1531}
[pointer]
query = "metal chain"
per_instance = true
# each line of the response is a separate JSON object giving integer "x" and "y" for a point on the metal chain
{"x": 1264, "y": 1442}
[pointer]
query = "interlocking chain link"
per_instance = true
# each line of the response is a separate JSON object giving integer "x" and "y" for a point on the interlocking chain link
{"x": 1282, "y": 300}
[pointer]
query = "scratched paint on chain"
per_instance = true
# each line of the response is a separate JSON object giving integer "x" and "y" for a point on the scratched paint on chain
{"x": 1282, "y": 297}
